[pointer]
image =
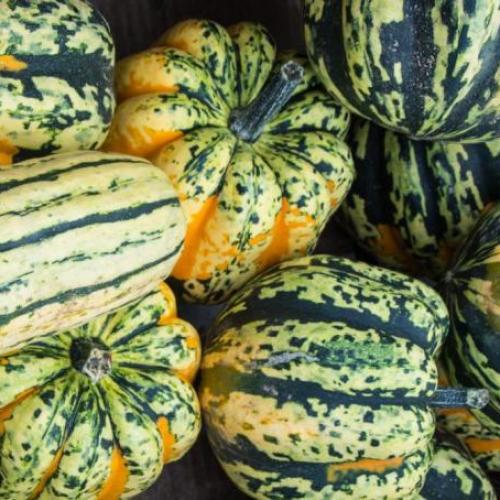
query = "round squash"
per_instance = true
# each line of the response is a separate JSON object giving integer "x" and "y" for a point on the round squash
{"x": 412, "y": 201}
{"x": 319, "y": 381}
{"x": 94, "y": 412}
{"x": 428, "y": 69}
{"x": 472, "y": 291}
{"x": 454, "y": 474}
{"x": 81, "y": 234}
{"x": 253, "y": 146}
{"x": 56, "y": 78}
{"x": 483, "y": 444}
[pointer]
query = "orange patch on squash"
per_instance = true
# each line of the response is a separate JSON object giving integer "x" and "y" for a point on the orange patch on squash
{"x": 478, "y": 445}
{"x": 11, "y": 63}
{"x": 167, "y": 437}
{"x": 7, "y": 411}
{"x": 367, "y": 464}
{"x": 144, "y": 142}
{"x": 183, "y": 270}
{"x": 114, "y": 486}
{"x": 51, "y": 470}
{"x": 462, "y": 413}
{"x": 391, "y": 244}
{"x": 279, "y": 247}
{"x": 7, "y": 153}
{"x": 171, "y": 309}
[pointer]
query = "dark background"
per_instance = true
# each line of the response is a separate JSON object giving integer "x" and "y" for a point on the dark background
{"x": 135, "y": 25}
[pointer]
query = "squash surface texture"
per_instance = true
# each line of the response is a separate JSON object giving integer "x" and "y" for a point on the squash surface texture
{"x": 56, "y": 78}
{"x": 81, "y": 234}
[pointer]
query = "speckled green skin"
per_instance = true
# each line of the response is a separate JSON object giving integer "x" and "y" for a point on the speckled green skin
{"x": 454, "y": 475}
{"x": 62, "y": 100}
{"x": 423, "y": 196}
{"x": 427, "y": 68}
{"x": 299, "y": 168}
{"x": 472, "y": 288}
{"x": 87, "y": 420}
{"x": 313, "y": 383}
{"x": 80, "y": 235}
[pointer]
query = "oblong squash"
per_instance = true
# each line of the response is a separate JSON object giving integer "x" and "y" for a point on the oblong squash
{"x": 80, "y": 235}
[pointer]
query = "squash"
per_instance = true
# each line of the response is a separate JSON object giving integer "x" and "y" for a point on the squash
{"x": 319, "y": 381}
{"x": 472, "y": 291}
{"x": 483, "y": 444}
{"x": 413, "y": 201}
{"x": 56, "y": 78}
{"x": 94, "y": 412}
{"x": 252, "y": 144}
{"x": 454, "y": 475}
{"x": 427, "y": 69}
{"x": 81, "y": 234}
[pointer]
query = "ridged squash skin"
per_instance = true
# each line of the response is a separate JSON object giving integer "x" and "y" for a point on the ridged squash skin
{"x": 249, "y": 204}
{"x": 454, "y": 474}
{"x": 472, "y": 291}
{"x": 81, "y": 234}
{"x": 413, "y": 202}
{"x": 312, "y": 385}
{"x": 483, "y": 444}
{"x": 56, "y": 78}
{"x": 65, "y": 434}
{"x": 428, "y": 69}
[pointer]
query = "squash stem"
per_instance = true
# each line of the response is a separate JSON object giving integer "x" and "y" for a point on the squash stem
{"x": 91, "y": 357}
{"x": 459, "y": 397}
{"x": 248, "y": 122}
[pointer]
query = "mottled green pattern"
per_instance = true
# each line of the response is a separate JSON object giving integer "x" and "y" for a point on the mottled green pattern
{"x": 313, "y": 383}
{"x": 427, "y": 68}
{"x": 454, "y": 475}
{"x": 414, "y": 201}
{"x": 81, "y": 234}
{"x": 249, "y": 204}
{"x": 61, "y": 97}
{"x": 85, "y": 421}
{"x": 472, "y": 288}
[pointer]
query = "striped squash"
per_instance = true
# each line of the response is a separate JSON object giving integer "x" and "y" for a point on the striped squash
{"x": 483, "y": 444}
{"x": 472, "y": 291}
{"x": 94, "y": 412}
{"x": 316, "y": 382}
{"x": 258, "y": 176}
{"x": 454, "y": 475}
{"x": 56, "y": 77}
{"x": 429, "y": 69}
{"x": 81, "y": 234}
{"x": 412, "y": 201}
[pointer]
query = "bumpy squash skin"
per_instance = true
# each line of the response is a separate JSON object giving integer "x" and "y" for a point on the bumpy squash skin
{"x": 81, "y": 234}
{"x": 454, "y": 475}
{"x": 413, "y": 202}
{"x": 472, "y": 288}
{"x": 56, "y": 78}
{"x": 65, "y": 436}
{"x": 427, "y": 69}
{"x": 311, "y": 386}
{"x": 249, "y": 205}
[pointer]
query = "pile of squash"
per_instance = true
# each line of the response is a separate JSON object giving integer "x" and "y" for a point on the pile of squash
{"x": 207, "y": 166}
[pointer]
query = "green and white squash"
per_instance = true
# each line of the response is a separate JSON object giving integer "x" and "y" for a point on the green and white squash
{"x": 254, "y": 148}
{"x": 56, "y": 78}
{"x": 454, "y": 475}
{"x": 472, "y": 291}
{"x": 429, "y": 69}
{"x": 483, "y": 444}
{"x": 413, "y": 202}
{"x": 319, "y": 381}
{"x": 81, "y": 234}
{"x": 94, "y": 412}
